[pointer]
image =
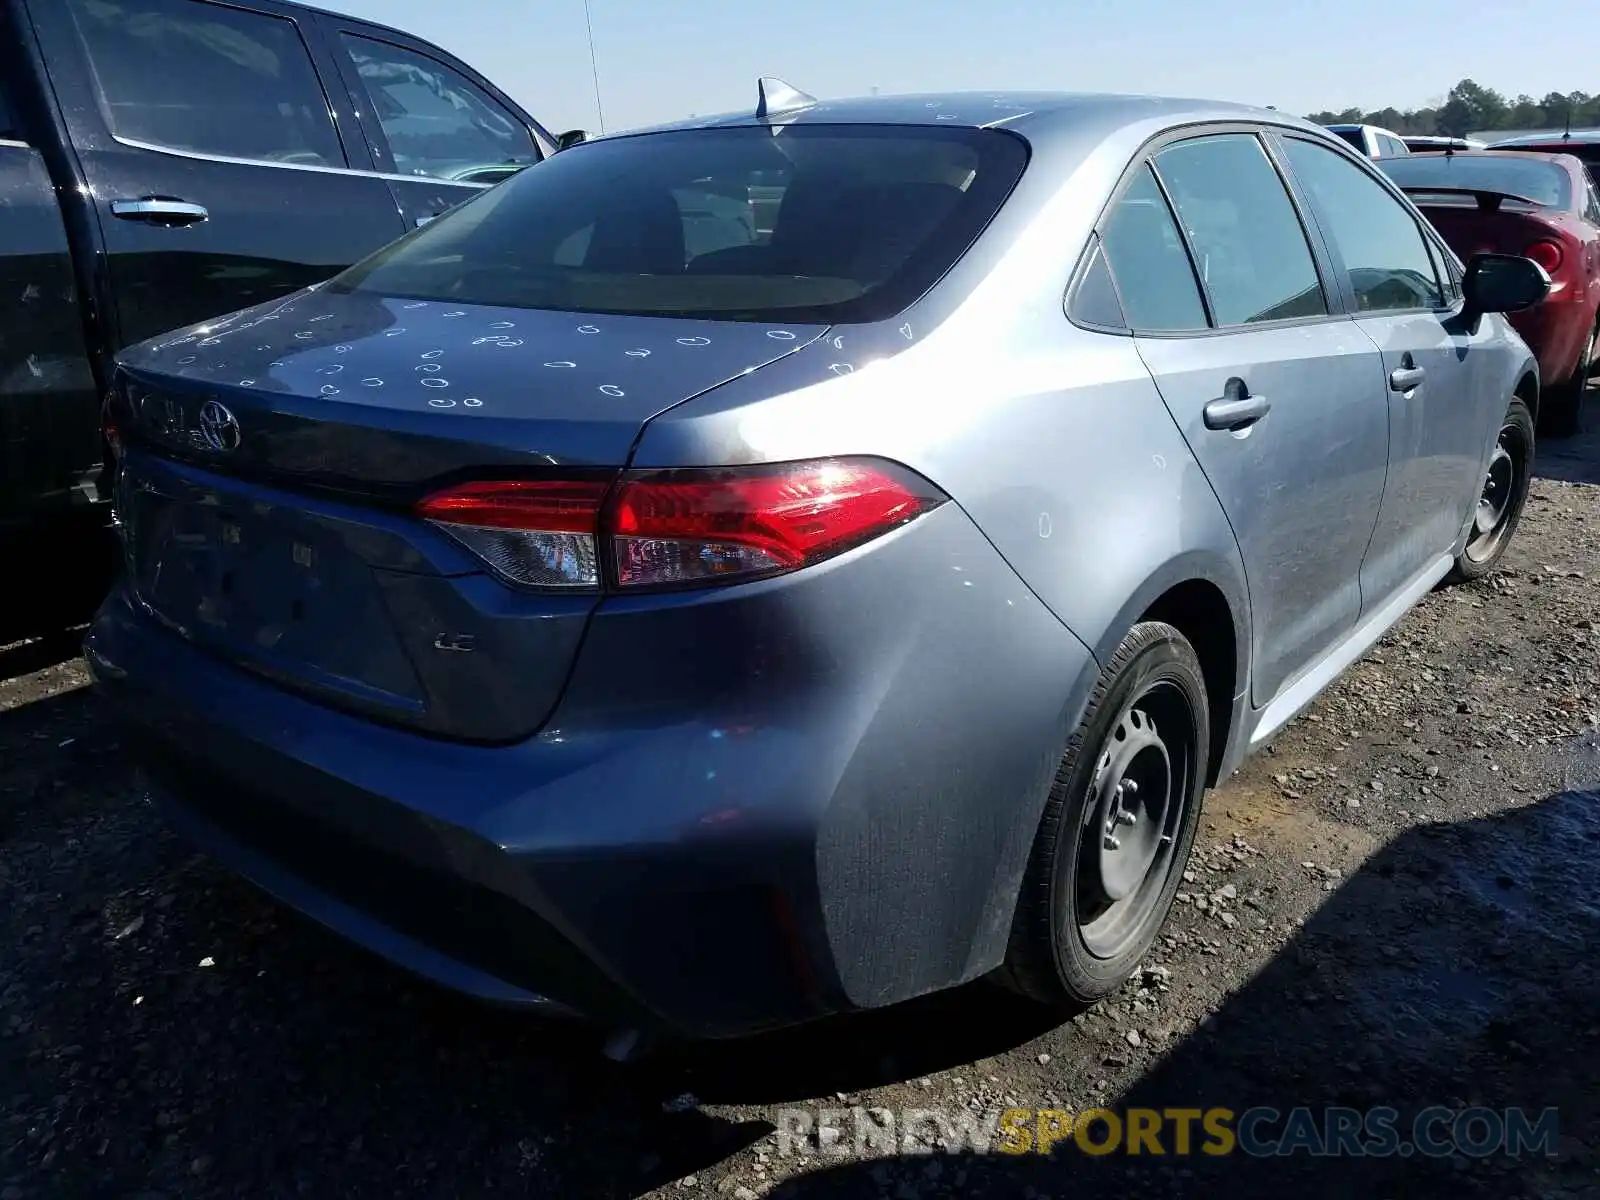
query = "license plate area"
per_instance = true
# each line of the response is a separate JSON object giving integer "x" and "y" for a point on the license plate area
{"x": 268, "y": 584}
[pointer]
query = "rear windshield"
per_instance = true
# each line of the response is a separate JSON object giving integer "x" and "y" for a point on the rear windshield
{"x": 825, "y": 223}
{"x": 1353, "y": 136}
{"x": 1539, "y": 181}
{"x": 1588, "y": 152}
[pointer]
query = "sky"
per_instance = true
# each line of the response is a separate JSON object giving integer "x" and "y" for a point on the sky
{"x": 661, "y": 60}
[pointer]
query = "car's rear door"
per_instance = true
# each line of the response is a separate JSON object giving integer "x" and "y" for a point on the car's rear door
{"x": 49, "y": 427}
{"x": 211, "y": 145}
{"x": 1443, "y": 407}
{"x": 430, "y": 121}
{"x": 1274, "y": 389}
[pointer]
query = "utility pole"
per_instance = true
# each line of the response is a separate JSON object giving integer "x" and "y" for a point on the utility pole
{"x": 594, "y": 67}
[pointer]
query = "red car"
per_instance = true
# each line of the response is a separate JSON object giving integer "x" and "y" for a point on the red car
{"x": 1544, "y": 207}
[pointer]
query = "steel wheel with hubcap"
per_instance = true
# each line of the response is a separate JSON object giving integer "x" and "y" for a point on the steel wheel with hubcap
{"x": 1118, "y": 825}
{"x": 1503, "y": 497}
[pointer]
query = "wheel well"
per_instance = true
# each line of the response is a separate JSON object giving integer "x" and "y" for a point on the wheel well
{"x": 1528, "y": 390}
{"x": 1200, "y": 612}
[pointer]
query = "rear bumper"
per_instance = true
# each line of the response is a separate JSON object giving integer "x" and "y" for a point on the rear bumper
{"x": 752, "y": 806}
{"x": 1556, "y": 331}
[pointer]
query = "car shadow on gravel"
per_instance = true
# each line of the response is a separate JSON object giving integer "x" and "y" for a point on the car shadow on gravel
{"x": 25, "y": 657}
{"x": 1455, "y": 969}
{"x": 172, "y": 1033}
{"x": 1574, "y": 459}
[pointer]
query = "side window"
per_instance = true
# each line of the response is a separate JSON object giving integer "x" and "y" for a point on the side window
{"x": 1148, "y": 261}
{"x": 1593, "y": 211}
{"x": 1383, "y": 249}
{"x": 200, "y": 77}
{"x": 437, "y": 123}
{"x": 1248, "y": 242}
{"x": 1392, "y": 147}
{"x": 1444, "y": 272}
{"x": 1440, "y": 268}
{"x": 1094, "y": 297}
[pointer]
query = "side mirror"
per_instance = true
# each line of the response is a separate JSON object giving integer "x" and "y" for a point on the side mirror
{"x": 1503, "y": 283}
{"x": 571, "y": 138}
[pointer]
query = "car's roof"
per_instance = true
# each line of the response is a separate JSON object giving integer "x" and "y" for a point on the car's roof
{"x": 1024, "y": 111}
{"x": 1582, "y": 136}
{"x": 1551, "y": 156}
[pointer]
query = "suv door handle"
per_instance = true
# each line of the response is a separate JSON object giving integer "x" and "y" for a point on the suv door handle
{"x": 159, "y": 210}
{"x": 1237, "y": 410}
{"x": 1404, "y": 379}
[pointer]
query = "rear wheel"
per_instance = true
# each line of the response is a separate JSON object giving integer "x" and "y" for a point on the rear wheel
{"x": 1561, "y": 410}
{"x": 1504, "y": 495}
{"x": 1118, "y": 825}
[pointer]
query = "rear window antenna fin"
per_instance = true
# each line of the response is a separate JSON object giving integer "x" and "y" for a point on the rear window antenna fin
{"x": 775, "y": 98}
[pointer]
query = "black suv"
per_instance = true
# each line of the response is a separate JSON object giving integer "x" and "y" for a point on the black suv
{"x": 165, "y": 161}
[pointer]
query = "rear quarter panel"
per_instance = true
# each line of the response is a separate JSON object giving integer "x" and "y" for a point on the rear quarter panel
{"x": 1053, "y": 439}
{"x": 1055, "y": 443}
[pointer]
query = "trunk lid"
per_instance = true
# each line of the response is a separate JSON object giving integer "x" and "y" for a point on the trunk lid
{"x": 1469, "y": 230}
{"x": 373, "y": 394}
{"x": 271, "y": 459}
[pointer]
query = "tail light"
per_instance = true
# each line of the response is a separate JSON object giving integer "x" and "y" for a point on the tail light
{"x": 679, "y": 528}
{"x": 537, "y": 533}
{"x": 1547, "y": 254}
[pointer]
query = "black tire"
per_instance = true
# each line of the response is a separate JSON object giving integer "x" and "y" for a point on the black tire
{"x": 1504, "y": 497}
{"x": 1561, "y": 406}
{"x": 1055, "y": 955}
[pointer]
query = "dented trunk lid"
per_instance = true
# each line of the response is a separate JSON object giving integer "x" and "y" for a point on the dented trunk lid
{"x": 272, "y": 458}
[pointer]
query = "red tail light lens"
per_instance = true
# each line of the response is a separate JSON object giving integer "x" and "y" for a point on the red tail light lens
{"x": 1548, "y": 255}
{"x": 674, "y": 528}
{"x": 691, "y": 526}
{"x": 536, "y": 533}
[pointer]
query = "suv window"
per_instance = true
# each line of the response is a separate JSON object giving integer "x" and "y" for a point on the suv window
{"x": 1383, "y": 250}
{"x": 1249, "y": 247}
{"x": 1154, "y": 278}
{"x": 1392, "y": 147}
{"x": 856, "y": 222}
{"x": 200, "y": 77}
{"x": 437, "y": 122}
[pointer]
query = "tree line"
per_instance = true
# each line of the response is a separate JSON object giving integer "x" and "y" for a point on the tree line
{"x": 1471, "y": 107}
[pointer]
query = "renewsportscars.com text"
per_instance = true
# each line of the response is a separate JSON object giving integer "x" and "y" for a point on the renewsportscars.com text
{"x": 1257, "y": 1132}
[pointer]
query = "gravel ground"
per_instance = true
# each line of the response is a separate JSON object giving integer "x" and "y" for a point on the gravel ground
{"x": 1394, "y": 905}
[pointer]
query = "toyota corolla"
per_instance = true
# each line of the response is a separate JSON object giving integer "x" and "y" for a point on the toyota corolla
{"x": 620, "y": 601}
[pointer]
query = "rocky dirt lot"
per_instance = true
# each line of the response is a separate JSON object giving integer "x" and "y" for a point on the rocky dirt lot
{"x": 1397, "y": 904}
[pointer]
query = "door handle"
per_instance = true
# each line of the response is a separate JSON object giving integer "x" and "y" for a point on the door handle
{"x": 159, "y": 210}
{"x": 1405, "y": 379}
{"x": 1235, "y": 412}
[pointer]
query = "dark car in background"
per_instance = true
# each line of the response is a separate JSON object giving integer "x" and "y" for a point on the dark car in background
{"x": 164, "y": 161}
{"x": 1544, "y": 207}
{"x": 1582, "y": 144}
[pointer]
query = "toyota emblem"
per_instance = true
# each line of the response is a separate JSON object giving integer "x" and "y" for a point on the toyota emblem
{"x": 219, "y": 426}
